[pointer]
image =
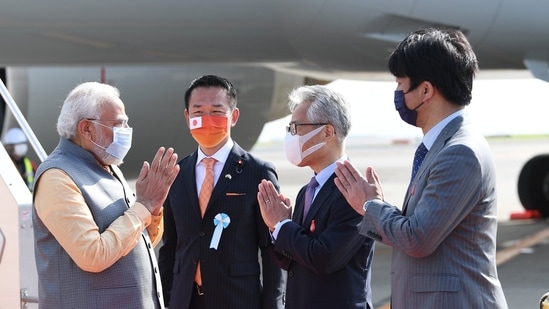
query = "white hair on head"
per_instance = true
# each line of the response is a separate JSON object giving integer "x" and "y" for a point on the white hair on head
{"x": 327, "y": 106}
{"x": 84, "y": 102}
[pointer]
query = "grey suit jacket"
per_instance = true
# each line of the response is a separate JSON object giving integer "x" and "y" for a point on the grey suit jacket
{"x": 444, "y": 247}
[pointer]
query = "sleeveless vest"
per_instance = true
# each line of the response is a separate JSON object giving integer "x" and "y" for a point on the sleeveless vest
{"x": 131, "y": 282}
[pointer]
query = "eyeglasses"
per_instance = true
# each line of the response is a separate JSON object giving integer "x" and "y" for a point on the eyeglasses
{"x": 116, "y": 122}
{"x": 292, "y": 126}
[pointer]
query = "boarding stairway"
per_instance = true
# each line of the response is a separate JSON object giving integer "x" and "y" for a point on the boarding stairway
{"x": 19, "y": 278}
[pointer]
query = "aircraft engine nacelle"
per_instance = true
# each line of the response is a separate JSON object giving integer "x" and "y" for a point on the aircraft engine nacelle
{"x": 154, "y": 101}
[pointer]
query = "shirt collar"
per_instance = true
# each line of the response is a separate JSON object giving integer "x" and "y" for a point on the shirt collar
{"x": 431, "y": 136}
{"x": 220, "y": 156}
{"x": 325, "y": 174}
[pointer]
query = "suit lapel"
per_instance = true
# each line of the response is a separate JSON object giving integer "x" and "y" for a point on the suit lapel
{"x": 447, "y": 132}
{"x": 232, "y": 170}
{"x": 189, "y": 177}
{"x": 325, "y": 192}
{"x": 299, "y": 204}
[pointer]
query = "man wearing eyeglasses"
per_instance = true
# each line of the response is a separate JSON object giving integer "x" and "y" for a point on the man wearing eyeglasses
{"x": 327, "y": 260}
{"x": 94, "y": 238}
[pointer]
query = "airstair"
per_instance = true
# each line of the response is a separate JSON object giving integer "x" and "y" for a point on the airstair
{"x": 18, "y": 275}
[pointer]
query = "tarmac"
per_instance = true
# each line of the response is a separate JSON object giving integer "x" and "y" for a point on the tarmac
{"x": 523, "y": 245}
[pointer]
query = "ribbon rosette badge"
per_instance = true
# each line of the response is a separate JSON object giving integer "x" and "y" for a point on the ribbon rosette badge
{"x": 221, "y": 221}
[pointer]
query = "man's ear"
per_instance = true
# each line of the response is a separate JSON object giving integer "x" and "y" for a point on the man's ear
{"x": 234, "y": 116}
{"x": 427, "y": 90}
{"x": 186, "y": 114}
{"x": 329, "y": 131}
{"x": 84, "y": 129}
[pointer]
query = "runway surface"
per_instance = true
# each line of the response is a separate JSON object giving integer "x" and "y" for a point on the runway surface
{"x": 523, "y": 245}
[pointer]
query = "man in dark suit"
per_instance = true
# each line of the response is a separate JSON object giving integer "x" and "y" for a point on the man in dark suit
{"x": 327, "y": 260}
{"x": 444, "y": 237}
{"x": 210, "y": 254}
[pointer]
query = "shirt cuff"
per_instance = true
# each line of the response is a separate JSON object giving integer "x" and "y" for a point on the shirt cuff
{"x": 143, "y": 213}
{"x": 368, "y": 202}
{"x": 278, "y": 226}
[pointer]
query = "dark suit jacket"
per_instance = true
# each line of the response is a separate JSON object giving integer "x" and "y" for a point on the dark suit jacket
{"x": 328, "y": 261}
{"x": 231, "y": 275}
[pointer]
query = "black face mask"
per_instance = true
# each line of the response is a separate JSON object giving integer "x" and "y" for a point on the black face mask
{"x": 408, "y": 115}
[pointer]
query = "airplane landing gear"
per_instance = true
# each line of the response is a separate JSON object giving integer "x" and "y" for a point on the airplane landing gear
{"x": 533, "y": 185}
{"x": 544, "y": 301}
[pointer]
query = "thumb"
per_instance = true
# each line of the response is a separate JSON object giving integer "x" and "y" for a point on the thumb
{"x": 287, "y": 201}
{"x": 370, "y": 175}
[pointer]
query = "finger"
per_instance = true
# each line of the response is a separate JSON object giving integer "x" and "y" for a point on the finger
{"x": 340, "y": 179}
{"x": 272, "y": 193}
{"x": 370, "y": 175}
{"x": 260, "y": 199}
{"x": 173, "y": 174}
{"x": 287, "y": 201}
{"x": 354, "y": 174}
{"x": 376, "y": 176}
{"x": 261, "y": 187}
{"x": 157, "y": 160}
{"x": 343, "y": 173}
{"x": 172, "y": 167}
{"x": 173, "y": 158}
{"x": 262, "y": 195}
{"x": 378, "y": 184}
{"x": 167, "y": 157}
{"x": 349, "y": 176}
{"x": 339, "y": 171}
{"x": 341, "y": 187}
{"x": 144, "y": 171}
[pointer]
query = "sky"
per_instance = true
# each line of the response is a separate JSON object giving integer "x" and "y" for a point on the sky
{"x": 500, "y": 107}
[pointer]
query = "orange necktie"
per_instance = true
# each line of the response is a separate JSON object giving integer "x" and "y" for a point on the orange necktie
{"x": 207, "y": 185}
{"x": 203, "y": 199}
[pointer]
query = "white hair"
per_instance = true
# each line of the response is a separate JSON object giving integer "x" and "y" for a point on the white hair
{"x": 84, "y": 102}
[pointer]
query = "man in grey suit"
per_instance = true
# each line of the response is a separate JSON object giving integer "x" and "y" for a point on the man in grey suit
{"x": 444, "y": 238}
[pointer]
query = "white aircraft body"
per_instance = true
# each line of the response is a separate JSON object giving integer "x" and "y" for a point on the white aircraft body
{"x": 151, "y": 50}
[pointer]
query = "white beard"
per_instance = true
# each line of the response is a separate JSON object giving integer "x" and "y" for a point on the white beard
{"x": 103, "y": 156}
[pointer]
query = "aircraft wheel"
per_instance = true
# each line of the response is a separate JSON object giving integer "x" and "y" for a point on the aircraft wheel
{"x": 533, "y": 185}
{"x": 544, "y": 301}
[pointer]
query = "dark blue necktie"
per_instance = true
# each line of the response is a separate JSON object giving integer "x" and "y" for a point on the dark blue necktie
{"x": 309, "y": 194}
{"x": 421, "y": 151}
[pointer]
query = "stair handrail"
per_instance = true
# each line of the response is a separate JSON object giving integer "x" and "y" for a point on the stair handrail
{"x": 40, "y": 152}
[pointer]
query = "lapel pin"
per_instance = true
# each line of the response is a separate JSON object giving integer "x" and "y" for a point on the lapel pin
{"x": 239, "y": 165}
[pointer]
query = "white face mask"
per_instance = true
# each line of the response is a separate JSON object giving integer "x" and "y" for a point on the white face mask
{"x": 293, "y": 145}
{"x": 121, "y": 142}
{"x": 20, "y": 150}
